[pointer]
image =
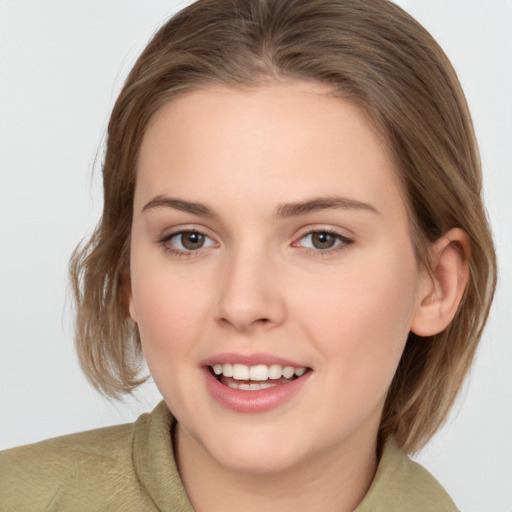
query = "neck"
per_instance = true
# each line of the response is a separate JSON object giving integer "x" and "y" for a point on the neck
{"x": 335, "y": 481}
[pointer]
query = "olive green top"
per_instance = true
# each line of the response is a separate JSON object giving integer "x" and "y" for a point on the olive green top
{"x": 132, "y": 467}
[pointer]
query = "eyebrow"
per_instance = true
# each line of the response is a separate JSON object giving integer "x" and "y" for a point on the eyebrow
{"x": 322, "y": 203}
{"x": 284, "y": 210}
{"x": 179, "y": 204}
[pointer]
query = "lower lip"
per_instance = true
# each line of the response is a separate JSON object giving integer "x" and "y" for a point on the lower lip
{"x": 258, "y": 401}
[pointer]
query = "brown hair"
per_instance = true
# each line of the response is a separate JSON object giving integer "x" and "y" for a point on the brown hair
{"x": 369, "y": 51}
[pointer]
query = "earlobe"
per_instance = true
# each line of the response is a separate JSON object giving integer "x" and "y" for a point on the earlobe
{"x": 445, "y": 285}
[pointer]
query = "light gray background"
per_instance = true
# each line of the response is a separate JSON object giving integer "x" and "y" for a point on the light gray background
{"x": 62, "y": 64}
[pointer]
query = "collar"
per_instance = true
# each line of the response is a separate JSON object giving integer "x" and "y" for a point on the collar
{"x": 400, "y": 484}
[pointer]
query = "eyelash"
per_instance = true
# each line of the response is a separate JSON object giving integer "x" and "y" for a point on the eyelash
{"x": 164, "y": 242}
{"x": 342, "y": 243}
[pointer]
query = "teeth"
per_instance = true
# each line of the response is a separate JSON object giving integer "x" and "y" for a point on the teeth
{"x": 300, "y": 372}
{"x": 275, "y": 371}
{"x": 288, "y": 372}
{"x": 227, "y": 370}
{"x": 253, "y": 386}
{"x": 258, "y": 373}
{"x": 240, "y": 372}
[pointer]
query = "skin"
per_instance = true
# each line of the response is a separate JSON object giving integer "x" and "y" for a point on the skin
{"x": 259, "y": 285}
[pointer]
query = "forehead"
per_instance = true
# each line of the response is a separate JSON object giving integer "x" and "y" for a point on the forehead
{"x": 294, "y": 138}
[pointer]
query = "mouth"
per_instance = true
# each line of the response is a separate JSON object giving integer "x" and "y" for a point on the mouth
{"x": 255, "y": 383}
{"x": 257, "y": 377}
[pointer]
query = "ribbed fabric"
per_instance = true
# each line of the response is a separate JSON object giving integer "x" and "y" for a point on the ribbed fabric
{"x": 132, "y": 467}
{"x": 402, "y": 485}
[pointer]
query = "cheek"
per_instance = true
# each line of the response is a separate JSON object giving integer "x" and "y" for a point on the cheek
{"x": 170, "y": 311}
{"x": 362, "y": 319}
{"x": 170, "y": 319}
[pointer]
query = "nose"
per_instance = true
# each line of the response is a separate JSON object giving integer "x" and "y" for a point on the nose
{"x": 250, "y": 294}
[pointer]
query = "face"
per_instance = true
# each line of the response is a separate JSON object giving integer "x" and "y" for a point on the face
{"x": 273, "y": 278}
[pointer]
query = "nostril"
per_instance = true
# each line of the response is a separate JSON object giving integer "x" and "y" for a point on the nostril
{"x": 260, "y": 322}
{"x": 240, "y": 324}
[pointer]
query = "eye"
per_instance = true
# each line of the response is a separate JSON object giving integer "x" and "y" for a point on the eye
{"x": 187, "y": 241}
{"x": 323, "y": 240}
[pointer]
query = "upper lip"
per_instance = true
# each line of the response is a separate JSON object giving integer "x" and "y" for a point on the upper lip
{"x": 250, "y": 360}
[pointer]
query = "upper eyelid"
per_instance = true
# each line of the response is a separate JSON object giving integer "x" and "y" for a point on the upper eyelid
{"x": 164, "y": 242}
{"x": 307, "y": 230}
{"x": 344, "y": 243}
{"x": 182, "y": 231}
{"x": 169, "y": 233}
{"x": 325, "y": 229}
{"x": 331, "y": 231}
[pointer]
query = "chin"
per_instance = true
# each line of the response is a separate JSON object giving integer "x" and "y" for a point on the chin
{"x": 256, "y": 450}
{"x": 258, "y": 460}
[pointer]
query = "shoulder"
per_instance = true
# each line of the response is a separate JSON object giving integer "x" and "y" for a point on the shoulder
{"x": 93, "y": 464}
{"x": 401, "y": 485}
{"x": 103, "y": 442}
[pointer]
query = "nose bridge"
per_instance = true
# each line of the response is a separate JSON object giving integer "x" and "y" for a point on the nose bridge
{"x": 249, "y": 295}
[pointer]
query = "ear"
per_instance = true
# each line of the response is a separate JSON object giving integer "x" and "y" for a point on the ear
{"x": 444, "y": 287}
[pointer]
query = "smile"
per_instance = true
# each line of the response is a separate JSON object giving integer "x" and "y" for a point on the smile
{"x": 257, "y": 377}
{"x": 254, "y": 388}
{"x": 229, "y": 373}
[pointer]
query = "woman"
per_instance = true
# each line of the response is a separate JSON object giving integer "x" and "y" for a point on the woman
{"x": 292, "y": 197}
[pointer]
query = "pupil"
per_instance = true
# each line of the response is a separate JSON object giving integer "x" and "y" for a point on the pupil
{"x": 192, "y": 240}
{"x": 323, "y": 240}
